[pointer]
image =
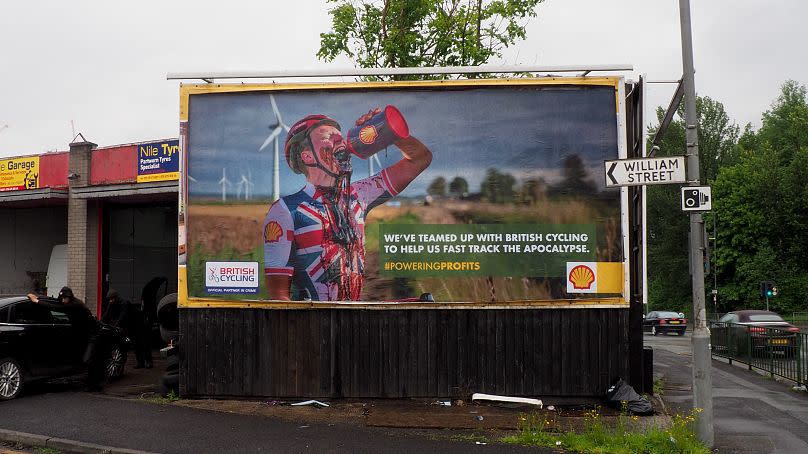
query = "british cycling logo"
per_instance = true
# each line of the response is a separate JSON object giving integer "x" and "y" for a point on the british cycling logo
{"x": 231, "y": 277}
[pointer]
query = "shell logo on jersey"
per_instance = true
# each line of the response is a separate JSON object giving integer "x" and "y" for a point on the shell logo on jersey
{"x": 368, "y": 134}
{"x": 272, "y": 232}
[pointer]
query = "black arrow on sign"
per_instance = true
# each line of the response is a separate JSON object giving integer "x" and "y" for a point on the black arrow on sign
{"x": 609, "y": 173}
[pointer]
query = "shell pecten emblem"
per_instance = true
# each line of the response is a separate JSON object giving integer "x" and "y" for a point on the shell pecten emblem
{"x": 272, "y": 232}
{"x": 582, "y": 277}
{"x": 368, "y": 134}
{"x": 595, "y": 277}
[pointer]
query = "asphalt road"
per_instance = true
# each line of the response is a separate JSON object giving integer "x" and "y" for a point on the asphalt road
{"x": 752, "y": 413}
{"x": 122, "y": 423}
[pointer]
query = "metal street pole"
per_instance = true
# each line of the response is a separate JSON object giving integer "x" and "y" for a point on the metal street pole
{"x": 702, "y": 377}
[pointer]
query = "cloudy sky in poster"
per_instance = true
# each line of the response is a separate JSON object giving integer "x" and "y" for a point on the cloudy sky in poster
{"x": 527, "y": 132}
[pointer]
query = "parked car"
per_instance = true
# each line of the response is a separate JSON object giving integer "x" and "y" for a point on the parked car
{"x": 664, "y": 322}
{"x": 761, "y": 331}
{"x": 39, "y": 341}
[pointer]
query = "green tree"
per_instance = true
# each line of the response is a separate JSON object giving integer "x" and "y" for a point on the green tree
{"x": 533, "y": 190}
{"x": 668, "y": 227}
{"x": 459, "y": 187}
{"x": 761, "y": 204}
{"x": 437, "y": 188}
{"x": 576, "y": 178}
{"x": 423, "y": 33}
{"x": 497, "y": 187}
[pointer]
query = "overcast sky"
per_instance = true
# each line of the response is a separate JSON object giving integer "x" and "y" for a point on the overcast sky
{"x": 102, "y": 65}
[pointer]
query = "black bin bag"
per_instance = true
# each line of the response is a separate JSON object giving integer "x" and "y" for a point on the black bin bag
{"x": 621, "y": 392}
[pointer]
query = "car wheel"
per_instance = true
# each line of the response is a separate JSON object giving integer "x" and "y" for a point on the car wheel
{"x": 10, "y": 379}
{"x": 116, "y": 360}
{"x": 168, "y": 318}
{"x": 654, "y": 331}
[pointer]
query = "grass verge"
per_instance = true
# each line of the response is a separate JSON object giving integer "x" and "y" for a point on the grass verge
{"x": 626, "y": 436}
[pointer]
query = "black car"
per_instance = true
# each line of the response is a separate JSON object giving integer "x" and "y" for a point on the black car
{"x": 663, "y": 322}
{"x": 754, "y": 332}
{"x": 41, "y": 341}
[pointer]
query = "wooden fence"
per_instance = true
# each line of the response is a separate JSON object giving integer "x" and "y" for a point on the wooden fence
{"x": 397, "y": 353}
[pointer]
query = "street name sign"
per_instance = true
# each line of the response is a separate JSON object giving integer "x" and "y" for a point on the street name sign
{"x": 639, "y": 172}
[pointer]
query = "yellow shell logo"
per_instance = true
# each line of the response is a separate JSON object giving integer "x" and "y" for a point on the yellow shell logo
{"x": 368, "y": 134}
{"x": 582, "y": 277}
{"x": 272, "y": 232}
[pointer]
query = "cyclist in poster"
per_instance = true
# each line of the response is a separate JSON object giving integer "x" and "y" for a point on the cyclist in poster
{"x": 314, "y": 239}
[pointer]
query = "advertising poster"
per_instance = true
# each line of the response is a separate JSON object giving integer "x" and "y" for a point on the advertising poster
{"x": 469, "y": 192}
{"x": 158, "y": 161}
{"x": 19, "y": 173}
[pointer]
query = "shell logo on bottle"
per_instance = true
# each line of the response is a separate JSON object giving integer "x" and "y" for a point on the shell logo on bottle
{"x": 368, "y": 135}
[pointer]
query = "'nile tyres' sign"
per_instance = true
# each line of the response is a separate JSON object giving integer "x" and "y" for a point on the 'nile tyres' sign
{"x": 19, "y": 173}
{"x": 158, "y": 161}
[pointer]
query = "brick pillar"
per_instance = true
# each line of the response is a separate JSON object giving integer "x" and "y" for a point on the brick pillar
{"x": 78, "y": 258}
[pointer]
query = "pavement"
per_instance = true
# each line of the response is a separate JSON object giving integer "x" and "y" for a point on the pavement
{"x": 753, "y": 413}
{"x": 129, "y": 417}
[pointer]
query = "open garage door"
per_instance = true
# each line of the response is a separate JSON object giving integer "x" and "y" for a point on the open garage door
{"x": 140, "y": 252}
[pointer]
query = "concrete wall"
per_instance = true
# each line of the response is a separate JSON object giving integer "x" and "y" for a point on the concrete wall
{"x": 27, "y": 236}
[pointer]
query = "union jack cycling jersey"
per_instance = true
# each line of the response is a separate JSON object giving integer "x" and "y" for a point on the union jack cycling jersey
{"x": 305, "y": 240}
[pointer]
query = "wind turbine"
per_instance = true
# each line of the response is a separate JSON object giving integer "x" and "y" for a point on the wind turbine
{"x": 246, "y": 184}
{"x": 250, "y": 184}
{"x": 225, "y": 183}
{"x": 370, "y": 164}
{"x": 277, "y": 128}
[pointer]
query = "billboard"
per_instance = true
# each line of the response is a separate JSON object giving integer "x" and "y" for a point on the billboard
{"x": 470, "y": 191}
{"x": 19, "y": 173}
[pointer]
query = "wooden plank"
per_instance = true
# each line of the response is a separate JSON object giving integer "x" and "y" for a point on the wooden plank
{"x": 431, "y": 353}
{"x": 442, "y": 354}
{"x": 488, "y": 348}
{"x": 325, "y": 383}
{"x": 503, "y": 364}
{"x": 452, "y": 361}
{"x": 461, "y": 321}
{"x": 207, "y": 354}
{"x": 555, "y": 384}
{"x": 365, "y": 373}
{"x": 517, "y": 373}
{"x": 412, "y": 354}
{"x": 355, "y": 353}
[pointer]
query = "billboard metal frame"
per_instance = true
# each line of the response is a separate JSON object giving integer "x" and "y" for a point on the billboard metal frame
{"x": 188, "y": 90}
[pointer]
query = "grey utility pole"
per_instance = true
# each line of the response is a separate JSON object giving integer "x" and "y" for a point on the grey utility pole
{"x": 702, "y": 376}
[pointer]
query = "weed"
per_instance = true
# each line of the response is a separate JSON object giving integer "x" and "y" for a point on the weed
{"x": 624, "y": 437}
{"x": 48, "y": 451}
{"x": 470, "y": 438}
{"x": 157, "y": 399}
{"x": 659, "y": 386}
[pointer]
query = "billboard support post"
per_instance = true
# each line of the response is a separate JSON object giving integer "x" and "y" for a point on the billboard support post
{"x": 702, "y": 375}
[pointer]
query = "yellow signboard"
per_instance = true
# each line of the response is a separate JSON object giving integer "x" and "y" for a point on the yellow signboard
{"x": 19, "y": 173}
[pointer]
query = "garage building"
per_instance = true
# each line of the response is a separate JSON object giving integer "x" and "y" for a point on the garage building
{"x": 101, "y": 217}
